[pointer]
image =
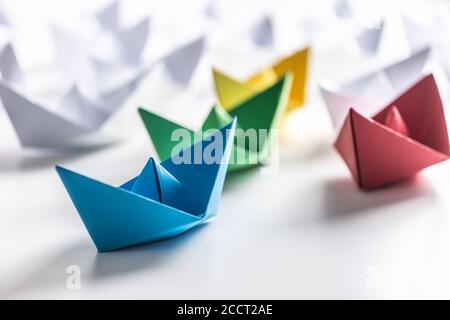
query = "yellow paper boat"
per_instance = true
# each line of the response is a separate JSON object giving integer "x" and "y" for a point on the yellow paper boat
{"x": 231, "y": 92}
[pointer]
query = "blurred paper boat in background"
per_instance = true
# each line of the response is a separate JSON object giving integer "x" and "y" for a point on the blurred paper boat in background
{"x": 108, "y": 56}
{"x": 371, "y": 92}
{"x": 119, "y": 43}
{"x": 114, "y": 52}
{"x": 129, "y": 44}
{"x": 408, "y": 135}
{"x": 231, "y": 92}
{"x": 394, "y": 37}
{"x": 73, "y": 121}
{"x": 163, "y": 201}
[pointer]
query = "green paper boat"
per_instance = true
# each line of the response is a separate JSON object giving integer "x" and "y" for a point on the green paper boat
{"x": 261, "y": 113}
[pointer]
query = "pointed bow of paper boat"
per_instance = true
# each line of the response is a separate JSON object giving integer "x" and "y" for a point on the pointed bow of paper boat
{"x": 163, "y": 201}
{"x": 259, "y": 113}
{"x": 407, "y": 136}
{"x": 231, "y": 92}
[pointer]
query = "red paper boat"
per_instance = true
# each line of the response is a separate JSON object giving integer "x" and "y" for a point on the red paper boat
{"x": 407, "y": 136}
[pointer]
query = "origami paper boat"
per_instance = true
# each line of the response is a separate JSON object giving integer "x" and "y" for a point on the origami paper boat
{"x": 376, "y": 89}
{"x": 180, "y": 64}
{"x": 397, "y": 35}
{"x": 114, "y": 52}
{"x": 130, "y": 41}
{"x": 163, "y": 201}
{"x": 420, "y": 34}
{"x": 231, "y": 92}
{"x": 260, "y": 112}
{"x": 405, "y": 137}
{"x": 70, "y": 122}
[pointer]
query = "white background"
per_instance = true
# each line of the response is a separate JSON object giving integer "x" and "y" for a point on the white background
{"x": 304, "y": 232}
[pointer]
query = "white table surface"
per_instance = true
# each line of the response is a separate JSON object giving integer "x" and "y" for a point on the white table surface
{"x": 305, "y": 231}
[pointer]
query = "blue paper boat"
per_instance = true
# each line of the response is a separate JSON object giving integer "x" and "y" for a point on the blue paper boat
{"x": 163, "y": 201}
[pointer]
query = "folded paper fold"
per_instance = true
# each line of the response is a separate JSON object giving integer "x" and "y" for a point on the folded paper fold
{"x": 405, "y": 137}
{"x": 163, "y": 201}
{"x": 257, "y": 117}
{"x": 231, "y": 92}
{"x": 9, "y": 67}
{"x": 182, "y": 63}
{"x": 262, "y": 33}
